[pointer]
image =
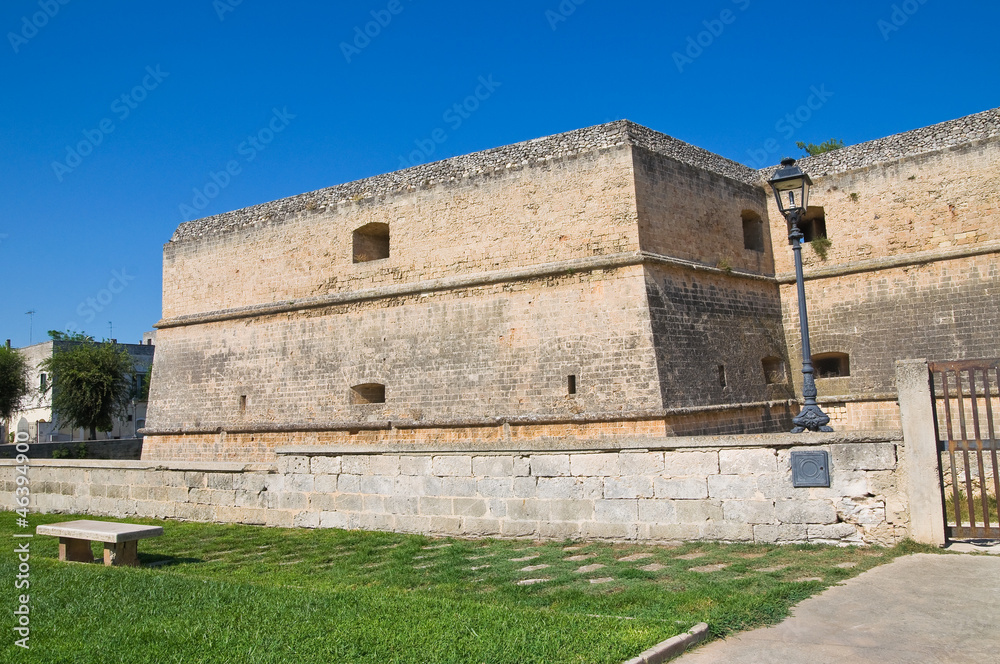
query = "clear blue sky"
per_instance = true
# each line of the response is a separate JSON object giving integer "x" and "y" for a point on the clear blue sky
{"x": 161, "y": 95}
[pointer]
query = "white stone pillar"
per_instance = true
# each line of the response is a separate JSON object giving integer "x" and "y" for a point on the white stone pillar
{"x": 916, "y": 408}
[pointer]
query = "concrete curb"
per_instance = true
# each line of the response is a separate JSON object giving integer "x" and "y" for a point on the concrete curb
{"x": 672, "y": 647}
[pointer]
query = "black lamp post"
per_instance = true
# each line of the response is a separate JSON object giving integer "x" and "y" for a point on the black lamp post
{"x": 791, "y": 190}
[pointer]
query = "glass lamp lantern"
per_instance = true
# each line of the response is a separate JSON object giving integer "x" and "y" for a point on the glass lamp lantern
{"x": 791, "y": 188}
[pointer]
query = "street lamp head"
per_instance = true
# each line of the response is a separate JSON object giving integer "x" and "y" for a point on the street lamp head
{"x": 791, "y": 188}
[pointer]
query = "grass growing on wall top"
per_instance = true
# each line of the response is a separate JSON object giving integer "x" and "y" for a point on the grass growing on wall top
{"x": 232, "y": 593}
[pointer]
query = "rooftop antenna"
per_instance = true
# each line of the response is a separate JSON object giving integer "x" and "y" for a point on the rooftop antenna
{"x": 111, "y": 330}
{"x": 31, "y": 321}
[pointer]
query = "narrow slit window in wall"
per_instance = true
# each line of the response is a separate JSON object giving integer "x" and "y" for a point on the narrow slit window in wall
{"x": 243, "y": 404}
{"x": 368, "y": 393}
{"x": 722, "y": 375}
{"x": 571, "y": 384}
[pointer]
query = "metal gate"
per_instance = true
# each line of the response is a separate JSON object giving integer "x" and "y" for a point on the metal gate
{"x": 967, "y": 404}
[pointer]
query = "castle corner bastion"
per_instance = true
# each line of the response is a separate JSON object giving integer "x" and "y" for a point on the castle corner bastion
{"x": 605, "y": 284}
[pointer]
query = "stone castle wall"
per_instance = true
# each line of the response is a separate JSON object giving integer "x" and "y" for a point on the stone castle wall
{"x": 441, "y": 356}
{"x": 913, "y": 269}
{"x": 732, "y": 488}
{"x": 548, "y": 213}
{"x": 518, "y": 295}
{"x": 614, "y": 255}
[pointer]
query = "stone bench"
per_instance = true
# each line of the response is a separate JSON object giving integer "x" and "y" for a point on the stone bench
{"x": 120, "y": 540}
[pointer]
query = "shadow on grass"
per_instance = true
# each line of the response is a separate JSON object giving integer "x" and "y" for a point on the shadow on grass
{"x": 153, "y": 560}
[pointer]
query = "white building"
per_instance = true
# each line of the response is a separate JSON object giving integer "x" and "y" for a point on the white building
{"x": 37, "y": 418}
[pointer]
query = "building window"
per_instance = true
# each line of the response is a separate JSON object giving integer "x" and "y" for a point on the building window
{"x": 813, "y": 224}
{"x": 774, "y": 370}
{"x": 753, "y": 231}
{"x": 571, "y": 384}
{"x": 721, "y": 369}
{"x": 368, "y": 393}
{"x": 831, "y": 365}
{"x": 371, "y": 242}
{"x": 243, "y": 404}
{"x": 43, "y": 382}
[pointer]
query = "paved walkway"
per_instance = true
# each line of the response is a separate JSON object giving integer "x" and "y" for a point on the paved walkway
{"x": 921, "y": 608}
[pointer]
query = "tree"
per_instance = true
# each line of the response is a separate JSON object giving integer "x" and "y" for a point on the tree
{"x": 56, "y": 335}
{"x": 142, "y": 393}
{"x": 812, "y": 149}
{"x": 15, "y": 383}
{"x": 91, "y": 384}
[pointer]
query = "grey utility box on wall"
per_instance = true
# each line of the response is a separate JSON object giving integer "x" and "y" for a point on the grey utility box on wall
{"x": 810, "y": 469}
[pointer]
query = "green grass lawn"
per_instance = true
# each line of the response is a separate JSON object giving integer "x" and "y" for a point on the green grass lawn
{"x": 233, "y": 593}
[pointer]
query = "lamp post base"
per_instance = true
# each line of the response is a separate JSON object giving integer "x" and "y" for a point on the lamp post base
{"x": 811, "y": 418}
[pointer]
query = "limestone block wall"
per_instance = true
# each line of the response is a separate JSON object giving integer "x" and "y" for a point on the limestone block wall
{"x": 257, "y": 445}
{"x": 946, "y": 309}
{"x": 695, "y": 214}
{"x": 937, "y": 200}
{"x": 712, "y": 332}
{"x": 506, "y": 351}
{"x": 732, "y": 488}
{"x": 516, "y": 286}
{"x": 529, "y": 215}
{"x": 913, "y": 268}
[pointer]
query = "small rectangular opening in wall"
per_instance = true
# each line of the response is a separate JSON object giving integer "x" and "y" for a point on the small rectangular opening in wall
{"x": 831, "y": 365}
{"x": 774, "y": 371}
{"x": 571, "y": 384}
{"x": 722, "y": 375}
{"x": 368, "y": 393}
{"x": 371, "y": 242}
{"x": 813, "y": 224}
{"x": 243, "y": 404}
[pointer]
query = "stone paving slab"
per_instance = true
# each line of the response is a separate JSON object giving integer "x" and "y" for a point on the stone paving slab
{"x": 634, "y": 557}
{"x": 920, "y": 608}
